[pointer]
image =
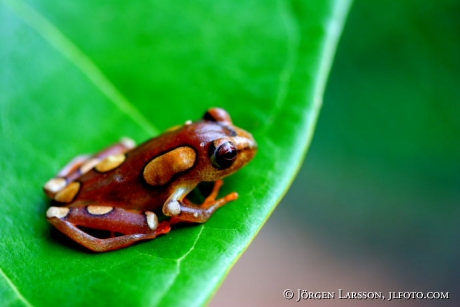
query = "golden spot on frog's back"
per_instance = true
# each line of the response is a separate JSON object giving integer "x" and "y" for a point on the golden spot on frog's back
{"x": 110, "y": 163}
{"x": 68, "y": 193}
{"x": 176, "y": 160}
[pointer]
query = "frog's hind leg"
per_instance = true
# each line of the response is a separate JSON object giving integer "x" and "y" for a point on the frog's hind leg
{"x": 132, "y": 225}
{"x": 83, "y": 163}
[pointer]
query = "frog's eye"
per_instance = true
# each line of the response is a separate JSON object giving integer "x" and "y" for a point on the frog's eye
{"x": 223, "y": 153}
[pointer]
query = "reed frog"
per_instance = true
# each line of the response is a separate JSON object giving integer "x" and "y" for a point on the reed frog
{"x": 123, "y": 189}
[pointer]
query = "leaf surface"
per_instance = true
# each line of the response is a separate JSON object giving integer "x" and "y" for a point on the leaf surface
{"x": 78, "y": 75}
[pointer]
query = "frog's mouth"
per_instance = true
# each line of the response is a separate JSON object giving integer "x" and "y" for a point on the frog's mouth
{"x": 244, "y": 140}
{"x": 244, "y": 143}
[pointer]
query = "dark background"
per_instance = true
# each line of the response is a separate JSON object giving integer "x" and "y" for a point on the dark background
{"x": 376, "y": 205}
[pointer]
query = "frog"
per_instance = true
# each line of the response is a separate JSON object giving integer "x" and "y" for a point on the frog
{"x": 136, "y": 193}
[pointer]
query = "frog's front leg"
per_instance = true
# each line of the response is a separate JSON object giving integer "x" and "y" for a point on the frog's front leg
{"x": 108, "y": 157}
{"x": 132, "y": 225}
{"x": 186, "y": 211}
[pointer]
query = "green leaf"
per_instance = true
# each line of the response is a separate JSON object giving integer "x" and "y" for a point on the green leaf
{"x": 78, "y": 75}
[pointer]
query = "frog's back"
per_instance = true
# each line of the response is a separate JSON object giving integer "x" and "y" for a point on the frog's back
{"x": 124, "y": 186}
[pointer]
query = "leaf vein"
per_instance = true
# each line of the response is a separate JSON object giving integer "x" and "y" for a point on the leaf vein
{"x": 67, "y": 48}
{"x": 15, "y": 289}
{"x": 292, "y": 45}
{"x": 179, "y": 262}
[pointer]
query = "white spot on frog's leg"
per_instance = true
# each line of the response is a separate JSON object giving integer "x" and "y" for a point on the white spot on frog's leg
{"x": 54, "y": 185}
{"x": 87, "y": 166}
{"x": 152, "y": 220}
{"x": 110, "y": 163}
{"x": 128, "y": 142}
{"x": 58, "y": 212}
{"x": 68, "y": 193}
{"x": 171, "y": 208}
{"x": 99, "y": 210}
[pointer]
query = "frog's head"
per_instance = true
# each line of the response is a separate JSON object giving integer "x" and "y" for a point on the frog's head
{"x": 225, "y": 148}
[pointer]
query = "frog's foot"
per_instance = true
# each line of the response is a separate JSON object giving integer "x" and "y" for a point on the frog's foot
{"x": 106, "y": 159}
{"x": 132, "y": 226}
{"x": 186, "y": 211}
